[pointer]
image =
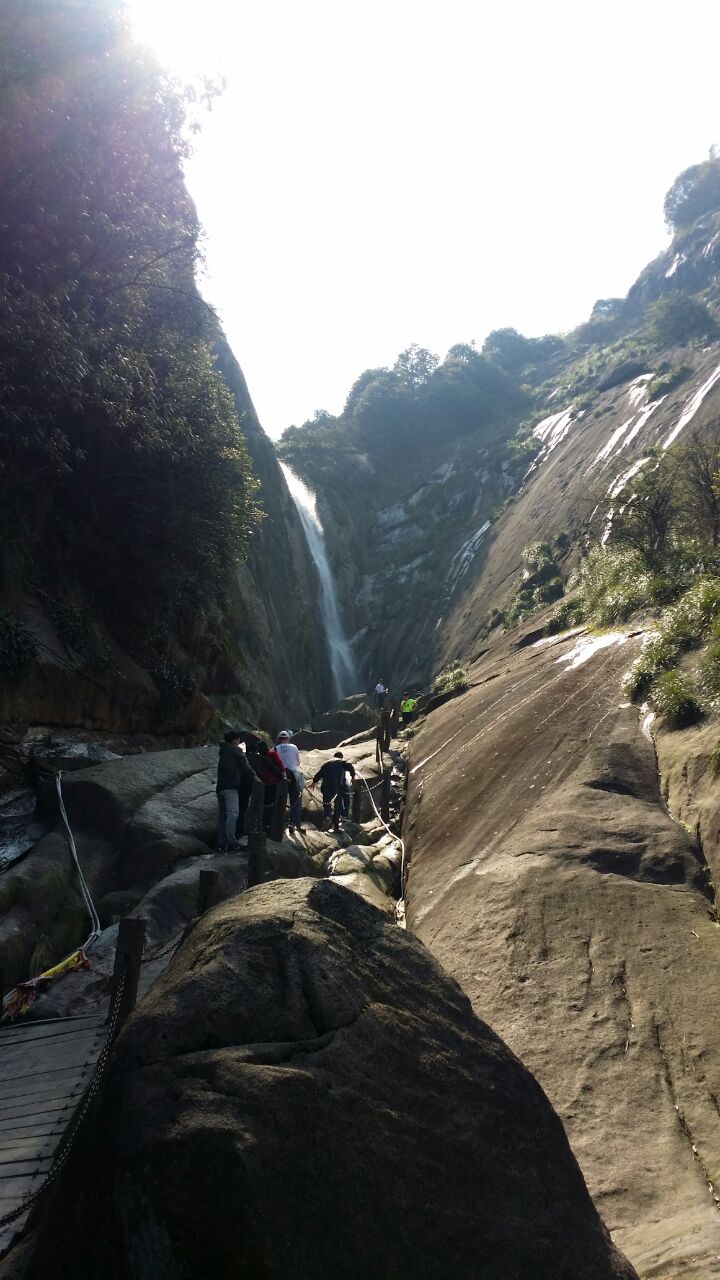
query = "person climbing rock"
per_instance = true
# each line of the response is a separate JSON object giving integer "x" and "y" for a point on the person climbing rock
{"x": 290, "y": 757}
{"x": 331, "y": 777}
{"x": 407, "y": 706}
{"x": 270, "y": 769}
{"x": 380, "y": 692}
{"x": 234, "y": 773}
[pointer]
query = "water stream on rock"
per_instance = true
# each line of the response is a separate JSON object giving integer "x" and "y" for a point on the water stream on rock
{"x": 344, "y": 671}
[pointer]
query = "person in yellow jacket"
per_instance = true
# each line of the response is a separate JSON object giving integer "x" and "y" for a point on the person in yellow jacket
{"x": 407, "y": 706}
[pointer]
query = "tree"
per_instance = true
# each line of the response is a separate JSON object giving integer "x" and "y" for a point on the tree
{"x": 120, "y": 445}
{"x": 508, "y": 349}
{"x": 676, "y": 317}
{"x": 648, "y": 521}
{"x": 698, "y": 484}
{"x": 695, "y": 192}
{"x": 415, "y": 366}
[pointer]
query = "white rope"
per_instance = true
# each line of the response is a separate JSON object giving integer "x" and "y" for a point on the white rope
{"x": 94, "y": 918}
{"x": 397, "y": 839}
{"x": 95, "y": 929}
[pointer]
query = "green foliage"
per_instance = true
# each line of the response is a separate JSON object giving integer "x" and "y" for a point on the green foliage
{"x": 513, "y": 352}
{"x": 452, "y": 679}
{"x": 684, "y": 625}
{"x": 120, "y": 446}
{"x": 542, "y": 583}
{"x": 647, "y": 522}
{"x": 695, "y": 192}
{"x": 674, "y": 699}
{"x": 658, "y": 655}
{"x": 78, "y": 633}
{"x": 176, "y": 685}
{"x": 610, "y": 586}
{"x": 708, "y": 676}
{"x": 567, "y": 615}
{"x": 18, "y": 649}
{"x": 667, "y": 380}
{"x": 676, "y": 317}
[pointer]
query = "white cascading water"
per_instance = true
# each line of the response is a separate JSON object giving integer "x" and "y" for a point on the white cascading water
{"x": 344, "y": 673}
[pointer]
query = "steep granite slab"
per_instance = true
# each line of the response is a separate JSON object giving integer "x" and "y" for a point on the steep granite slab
{"x": 549, "y": 879}
{"x": 304, "y": 1093}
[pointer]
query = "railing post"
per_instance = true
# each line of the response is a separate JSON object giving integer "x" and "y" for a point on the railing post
{"x": 128, "y": 958}
{"x": 208, "y": 885}
{"x": 279, "y": 813}
{"x": 2, "y": 988}
{"x": 356, "y": 799}
{"x": 256, "y": 835}
{"x": 385, "y": 794}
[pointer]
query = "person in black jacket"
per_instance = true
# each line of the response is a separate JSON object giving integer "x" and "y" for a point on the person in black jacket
{"x": 234, "y": 773}
{"x": 332, "y": 779}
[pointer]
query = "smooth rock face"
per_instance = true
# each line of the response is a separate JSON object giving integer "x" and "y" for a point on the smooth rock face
{"x": 548, "y": 877}
{"x": 304, "y": 1093}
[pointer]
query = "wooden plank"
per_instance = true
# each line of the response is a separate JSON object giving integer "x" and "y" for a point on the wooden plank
{"x": 15, "y": 1189}
{"x": 39, "y": 1091}
{"x": 30, "y": 1032}
{"x": 28, "y": 1146}
{"x": 26, "y": 1170}
{"x": 24, "y": 1112}
{"x": 68, "y": 1061}
{"x": 47, "y": 1050}
{"x": 35, "y": 1133}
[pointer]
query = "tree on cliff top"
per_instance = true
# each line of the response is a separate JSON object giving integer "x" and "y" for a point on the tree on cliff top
{"x": 696, "y": 191}
{"x": 119, "y": 441}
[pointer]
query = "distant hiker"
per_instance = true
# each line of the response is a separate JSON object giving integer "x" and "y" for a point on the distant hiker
{"x": 407, "y": 706}
{"x": 234, "y": 773}
{"x": 332, "y": 779}
{"x": 290, "y": 757}
{"x": 394, "y": 715}
{"x": 380, "y": 692}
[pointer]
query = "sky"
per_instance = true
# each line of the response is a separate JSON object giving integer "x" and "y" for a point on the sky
{"x": 382, "y": 173}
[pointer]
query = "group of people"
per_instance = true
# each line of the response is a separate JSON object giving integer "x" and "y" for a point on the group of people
{"x": 408, "y": 704}
{"x": 243, "y": 758}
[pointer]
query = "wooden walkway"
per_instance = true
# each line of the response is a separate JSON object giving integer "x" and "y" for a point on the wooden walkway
{"x": 45, "y": 1068}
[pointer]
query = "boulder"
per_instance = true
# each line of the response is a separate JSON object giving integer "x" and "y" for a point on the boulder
{"x": 107, "y": 796}
{"x": 350, "y": 716}
{"x": 304, "y": 1093}
{"x": 305, "y": 740}
{"x": 370, "y": 887}
{"x": 42, "y": 912}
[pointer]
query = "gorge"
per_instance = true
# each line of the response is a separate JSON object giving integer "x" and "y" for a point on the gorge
{"x": 523, "y": 1084}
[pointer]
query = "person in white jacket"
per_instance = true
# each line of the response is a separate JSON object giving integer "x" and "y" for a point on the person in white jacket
{"x": 290, "y": 757}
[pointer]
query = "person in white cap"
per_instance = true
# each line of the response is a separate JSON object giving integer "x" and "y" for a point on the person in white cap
{"x": 290, "y": 757}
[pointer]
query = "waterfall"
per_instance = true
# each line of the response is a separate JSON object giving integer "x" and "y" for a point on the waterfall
{"x": 342, "y": 665}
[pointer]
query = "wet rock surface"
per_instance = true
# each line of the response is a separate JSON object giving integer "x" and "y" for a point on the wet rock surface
{"x": 304, "y": 1093}
{"x": 549, "y": 878}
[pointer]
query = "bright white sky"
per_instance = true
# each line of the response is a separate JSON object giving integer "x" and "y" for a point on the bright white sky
{"x": 381, "y": 172}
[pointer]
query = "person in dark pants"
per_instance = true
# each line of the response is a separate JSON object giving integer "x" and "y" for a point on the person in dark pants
{"x": 270, "y": 769}
{"x": 234, "y": 773}
{"x": 331, "y": 777}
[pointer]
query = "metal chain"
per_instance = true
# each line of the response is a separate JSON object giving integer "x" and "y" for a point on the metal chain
{"x": 61, "y": 1158}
